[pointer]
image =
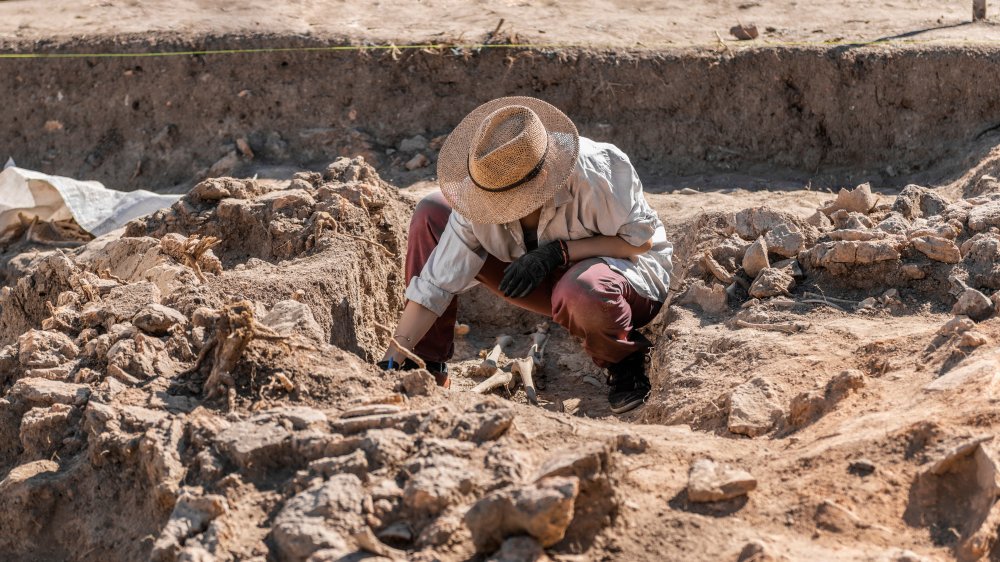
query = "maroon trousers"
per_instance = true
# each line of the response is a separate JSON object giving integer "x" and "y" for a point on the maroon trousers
{"x": 592, "y": 301}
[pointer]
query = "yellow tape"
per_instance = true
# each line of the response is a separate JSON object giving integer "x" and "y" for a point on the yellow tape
{"x": 475, "y": 47}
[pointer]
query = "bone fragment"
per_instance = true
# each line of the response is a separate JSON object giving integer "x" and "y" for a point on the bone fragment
{"x": 489, "y": 365}
{"x": 524, "y": 367}
{"x": 498, "y": 379}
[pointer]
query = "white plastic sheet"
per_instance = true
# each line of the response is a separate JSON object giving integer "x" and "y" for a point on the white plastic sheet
{"x": 97, "y": 209}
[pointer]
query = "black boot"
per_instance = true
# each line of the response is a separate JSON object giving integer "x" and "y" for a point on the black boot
{"x": 629, "y": 385}
{"x": 439, "y": 370}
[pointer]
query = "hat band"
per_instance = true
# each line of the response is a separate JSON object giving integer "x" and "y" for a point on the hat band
{"x": 527, "y": 177}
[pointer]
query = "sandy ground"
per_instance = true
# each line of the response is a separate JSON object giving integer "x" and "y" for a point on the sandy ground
{"x": 600, "y": 23}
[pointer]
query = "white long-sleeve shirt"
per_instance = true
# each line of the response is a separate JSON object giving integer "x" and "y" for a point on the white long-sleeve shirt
{"x": 603, "y": 196}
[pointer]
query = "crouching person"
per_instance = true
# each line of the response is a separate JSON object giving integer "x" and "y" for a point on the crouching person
{"x": 550, "y": 222}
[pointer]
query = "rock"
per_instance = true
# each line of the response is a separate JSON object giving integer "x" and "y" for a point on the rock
{"x": 755, "y": 222}
{"x": 895, "y": 554}
{"x": 846, "y": 220}
{"x": 744, "y": 32}
{"x": 438, "y": 483}
{"x": 121, "y": 304}
{"x": 973, "y": 304}
{"x": 836, "y": 518}
{"x": 711, "y": 299}
{"x": 396, "y": 533}
{"x": 755, "y": 259}
{"x": 756, "y": 551}
{"x": 946, "y": 230}
{"x": 772, "y": 282}
{"x": 916, "y": 202}
{"x": 973, "y": 338}
{"x": 41, "y": 349}
{"x": 418, "y": 161}
{"x": 894, "y": 223}
{"x": 861, "y": 467}
{"x": 42, "y": 429}
{"x": 322, "y": 517}
{"x": 806, "y": 407}
{"x": 828, "y": 254}
{"x": 418, "y": 382}
{"x": 785, "y": 240}
{"x": 852, "y": 234}
{"x": 913, "y": 271}
{"x": 938, "y": 249}
{"x": 858, "y": 200}
{"x": 413, "y": 144}
{"x": 519, "y": 549}
{"x": 846, "y": 381}
{"x": 542, "y": 510}
{"x": 956, "y": 325}
{"x": 191, "y": 515}
{"x": 251, "y": 445}
{"x": 819, "y": 220}
{"x": 300, "y": 417}
{"x": 43, "y": 392}
{"x": 156, "y": 319}
{"x": 752, "y": 408}
{"x": 485, "y": 421}
{"x": 292, "y": 317}
{"x": 985, "y": 216}
{"x": 712, "y": 482}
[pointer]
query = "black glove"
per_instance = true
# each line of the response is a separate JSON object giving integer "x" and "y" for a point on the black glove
{"x": 528, "y": 271}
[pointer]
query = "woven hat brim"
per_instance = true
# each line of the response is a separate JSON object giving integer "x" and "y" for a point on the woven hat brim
{"x": 484, "y": 207}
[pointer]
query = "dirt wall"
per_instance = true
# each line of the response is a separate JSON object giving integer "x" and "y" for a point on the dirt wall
{"x": 890, "y": 114}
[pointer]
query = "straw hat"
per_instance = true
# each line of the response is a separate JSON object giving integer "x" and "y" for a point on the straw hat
{"x": 507, "y": 158}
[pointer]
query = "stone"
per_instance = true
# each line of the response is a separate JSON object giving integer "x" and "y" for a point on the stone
{"x": 42, "y": 429}
{"x": 846, "y": 381}
{"x": 915, "y": 201}
{"x": 938, "y": 249}
{"x": 785, "y": 240}
{"x": 857, "y": 235}
{"x": 121, "y": 304}
{"x": 973, "y": 304}
{"x": 542, "y": 510}
{"x": 806, "y": 407}
{"x": 39, "y": 349}
{"x": 711, "y": 299}
{"x": 831, "y": 516}
{"x": 519, "y": 549}
{"x": 828, "y": 254}
{"x": 439, "y": 483}
{"x": 191, "y": 515}
{"x": 485, "y": 421}
{"x": 819, "y": 220}
{"x": 248, "y": 444}
{"x": 861, "y": 467}
{"x": 857, "y": 200}
{"x": 772, "y": 282}
{"x": 355, "y": 463}
{"x": 972, "y": 338}
{"x": 756, "y": 551}
{"x": 752, "y": 408}
{"x": 44, "y": 392}
{"x": 956, "y": 325}
{"x": 913, "y": 271}
{"x": 413, "y": 144}
{"x": 322, "y": 517}
{"x": 711, "y": 482}
{"x": 846, "y": 220}
{"x": 418, "y": 161}
{"x": 754, "y": 222}
{"x": 418, "y": 382}
{"x": 755, "y": 259}
{"x": 894, "y": 223}
{"x": 300, "y": 417}
{"x": 156, "y": 319}
{"x": 292, "y": 317}
{"x": 942, "y": 230}
{"x": 985, "y": 216}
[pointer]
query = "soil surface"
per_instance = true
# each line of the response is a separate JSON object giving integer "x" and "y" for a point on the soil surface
{"x": 604, "y": 23}
{"x": 200, "y": 386}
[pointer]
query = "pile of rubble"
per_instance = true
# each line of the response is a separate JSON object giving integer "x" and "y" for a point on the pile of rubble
{"x": 190, "y": 382}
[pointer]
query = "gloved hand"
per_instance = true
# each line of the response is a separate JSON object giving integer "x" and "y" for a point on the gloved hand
{"x": 528, "y": 271}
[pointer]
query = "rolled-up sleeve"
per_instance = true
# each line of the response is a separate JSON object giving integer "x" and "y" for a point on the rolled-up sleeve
{"x": 622, "y": 209}
{"x": 450, "y": 269}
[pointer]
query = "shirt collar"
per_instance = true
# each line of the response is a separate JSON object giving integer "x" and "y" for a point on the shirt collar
{"x": 562, "y": 197}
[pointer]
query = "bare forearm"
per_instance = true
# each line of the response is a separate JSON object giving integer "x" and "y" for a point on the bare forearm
{"x": 412, "y": 326}
{"x": 604, "y": 247}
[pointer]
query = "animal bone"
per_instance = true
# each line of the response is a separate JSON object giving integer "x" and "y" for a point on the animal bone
{"x": 498, "y": 379}
{"x": 524, "y": 367}
{"x": 539, "y": 340}
{"x": 489, "y": 364}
